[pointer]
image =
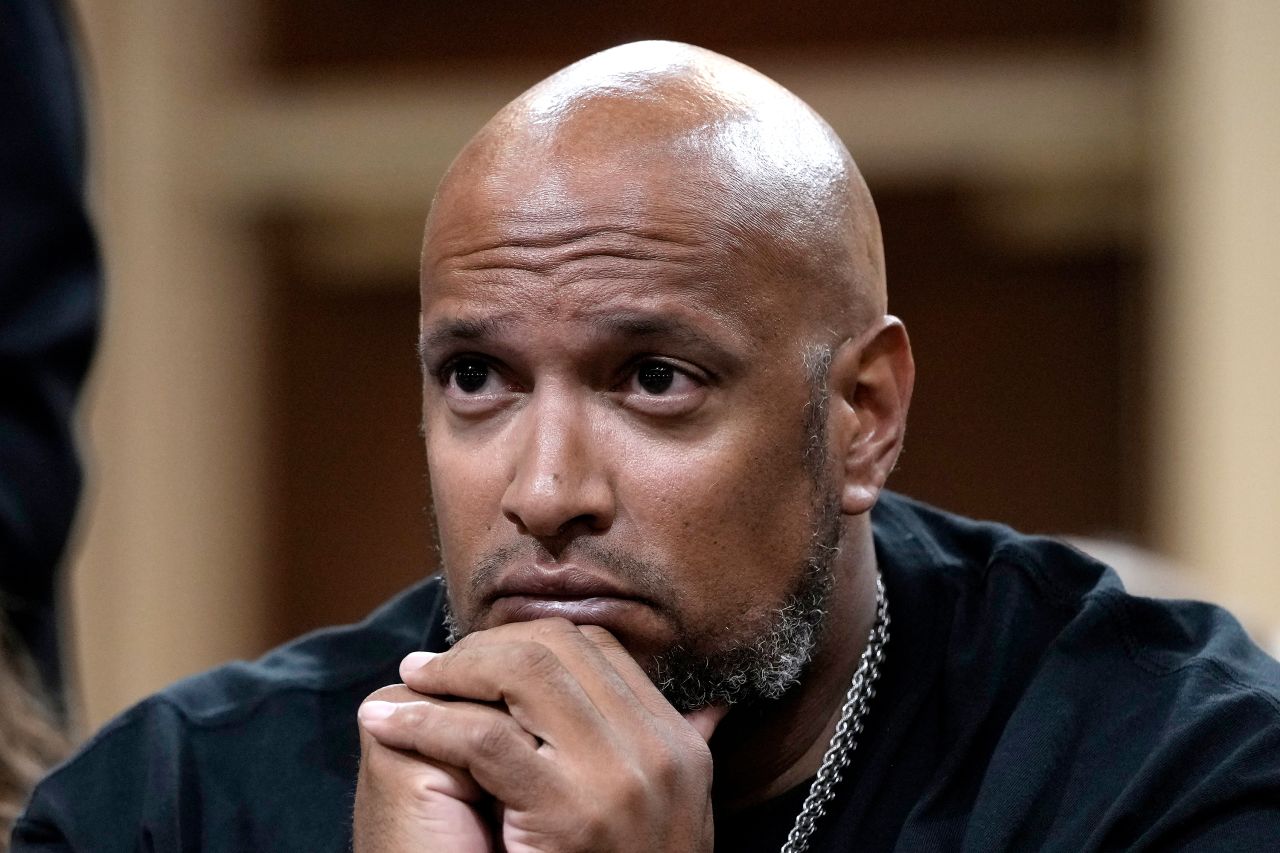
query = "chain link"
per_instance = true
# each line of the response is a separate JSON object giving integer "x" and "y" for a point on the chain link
{"x": 848, "y": 729}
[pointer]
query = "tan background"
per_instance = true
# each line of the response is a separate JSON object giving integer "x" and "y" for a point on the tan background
{"x": 1079, "y": 203}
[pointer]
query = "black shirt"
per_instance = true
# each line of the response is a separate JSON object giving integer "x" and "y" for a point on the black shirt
{"x": 1026, "y": 703}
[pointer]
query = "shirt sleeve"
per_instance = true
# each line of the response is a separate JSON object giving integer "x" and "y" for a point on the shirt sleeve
{"x": 34, "y": 837}
{"x": 122, "y": 792}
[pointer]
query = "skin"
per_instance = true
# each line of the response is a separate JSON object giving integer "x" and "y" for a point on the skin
{"x": 622, "y": 274}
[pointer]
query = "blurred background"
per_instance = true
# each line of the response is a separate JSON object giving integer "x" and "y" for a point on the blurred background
{"x": 1078, "y": 199}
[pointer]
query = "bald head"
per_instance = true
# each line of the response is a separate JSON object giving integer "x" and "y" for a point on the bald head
{"x": 666, "y": 129}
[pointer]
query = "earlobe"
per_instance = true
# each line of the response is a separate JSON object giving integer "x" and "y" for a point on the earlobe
{"x": 871, "y": 382}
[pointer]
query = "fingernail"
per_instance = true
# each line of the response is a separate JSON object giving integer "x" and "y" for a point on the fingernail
{"x": 415, "y": 661}
{"x": 376, "y": 710}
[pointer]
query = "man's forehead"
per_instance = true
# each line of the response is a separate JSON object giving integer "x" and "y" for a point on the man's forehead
{"x": 714, "y": 336}
{"x": 496, "y": 304}
{"x": 581, "y": 237}
{"x": 663, "y": 271}
{"x": 690, "y": 321}
{"x": 549, "y": 195}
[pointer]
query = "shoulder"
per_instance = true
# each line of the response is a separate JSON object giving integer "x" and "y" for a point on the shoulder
{"x": 331, "y": 660}
{"x": 978, "y": 554}
{"x": 1153, "y": 718}
{"x": 1007, "y": 578}
{"x": 275, "y": 738}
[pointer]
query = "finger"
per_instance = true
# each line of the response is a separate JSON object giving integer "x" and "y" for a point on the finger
{"x": 705, "y": 720}
{"x": 403, "y": 800}
{"x": 487, "y": 743}
{"x": 528, "y": 678}
{"x": 602, "y": 668}
{"x": 607, "y": 680}
{"x": 429, "y": 778}
{"x": 551, "y": 679}
{"x": 637, "y": 680}
{"x": 394, "y": 693}
{"x": 448, "y": 780}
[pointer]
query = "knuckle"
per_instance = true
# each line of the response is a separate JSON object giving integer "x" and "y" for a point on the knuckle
{"x": 432, "y": 786}
{"x": 493, "y": 740}
{"x": 537, "y": 660}
{"x": 598, "y": 636}
{"x": 638, "y": 784}
{"x": 597, "y": 823}
{"x": 666, "y": 767}
{"x": 675, "y": 765}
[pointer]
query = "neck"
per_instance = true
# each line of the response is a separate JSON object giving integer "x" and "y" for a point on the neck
{"x": 765, "y": 749}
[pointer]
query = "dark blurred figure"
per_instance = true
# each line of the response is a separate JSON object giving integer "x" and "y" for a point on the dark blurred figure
{"x": 49, "y": 306}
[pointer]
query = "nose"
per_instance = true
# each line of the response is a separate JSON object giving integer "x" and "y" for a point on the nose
{"x": 558, "y": 487}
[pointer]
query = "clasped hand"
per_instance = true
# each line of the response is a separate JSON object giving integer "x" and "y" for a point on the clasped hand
{"x": 531, "y": 736}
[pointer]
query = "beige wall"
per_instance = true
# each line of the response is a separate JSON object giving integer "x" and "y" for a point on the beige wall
{"x": 167, "y": 575}
{"x": 1217, "y": 308}
{"x": 170, "y": 571}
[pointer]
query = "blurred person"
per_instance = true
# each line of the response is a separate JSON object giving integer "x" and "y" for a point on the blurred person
{"x": 30, "y": 739}
{"x": 49, "y": 306}
{"x": 677, "y": 610}
{"x": 48, "y": 324}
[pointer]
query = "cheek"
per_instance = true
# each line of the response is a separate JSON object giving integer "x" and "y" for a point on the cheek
{"x": 732, "y": 515}
{"x": 466, "y": 492}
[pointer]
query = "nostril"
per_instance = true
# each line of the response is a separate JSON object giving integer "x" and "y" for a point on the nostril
{"x": 515, "y": 519}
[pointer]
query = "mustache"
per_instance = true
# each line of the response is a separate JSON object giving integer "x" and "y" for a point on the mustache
{"x": 642, "y": 575}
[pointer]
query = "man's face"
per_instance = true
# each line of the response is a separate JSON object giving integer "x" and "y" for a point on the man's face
{"x": 617, "y": 414}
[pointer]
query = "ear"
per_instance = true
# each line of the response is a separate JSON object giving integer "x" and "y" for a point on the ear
{"x": 871, "y": 381}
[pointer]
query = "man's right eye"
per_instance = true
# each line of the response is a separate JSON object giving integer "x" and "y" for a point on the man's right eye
{"x": 469, "y": 375}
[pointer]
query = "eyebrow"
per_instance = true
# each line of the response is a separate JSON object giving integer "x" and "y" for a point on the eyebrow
{"x": 642, "y": 325}
{"x": 454, "y": 329}
{"x": 626, "y": 324}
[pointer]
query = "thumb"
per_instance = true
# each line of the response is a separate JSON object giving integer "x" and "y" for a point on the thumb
{"x": 706, "y": 719}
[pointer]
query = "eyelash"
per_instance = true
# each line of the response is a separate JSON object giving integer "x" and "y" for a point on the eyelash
{"x": 445, "y": 372}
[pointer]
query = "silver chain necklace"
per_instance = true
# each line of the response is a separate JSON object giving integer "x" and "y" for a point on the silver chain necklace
{"x": 848, "y": 728}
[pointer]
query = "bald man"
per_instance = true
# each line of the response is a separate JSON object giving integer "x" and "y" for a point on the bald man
{"x": 676, "y": 611}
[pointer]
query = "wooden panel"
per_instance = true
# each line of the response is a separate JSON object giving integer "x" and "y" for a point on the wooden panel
{"x": 302, "y": 36}
{"x": 348, "y": 466}
{"x": 1029, "y": 371}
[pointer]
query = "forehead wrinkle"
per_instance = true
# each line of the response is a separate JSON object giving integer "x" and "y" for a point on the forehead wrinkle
{"x": 625, "y": 307}
{"x": 665, "y": 325}
{"x": 610, "y": 288}
{"x": 529, "y": 220}
{"x": 545, "y": 253}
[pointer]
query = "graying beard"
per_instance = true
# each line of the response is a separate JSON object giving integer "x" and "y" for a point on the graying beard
{"x": 453, "y": 633}
{"x": 772, "y": 663}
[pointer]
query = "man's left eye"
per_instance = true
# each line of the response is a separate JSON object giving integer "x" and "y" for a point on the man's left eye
{"x": 655, "y": 377}
{"x": 470, "y": 374}
{"x": 663, "y": 388}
